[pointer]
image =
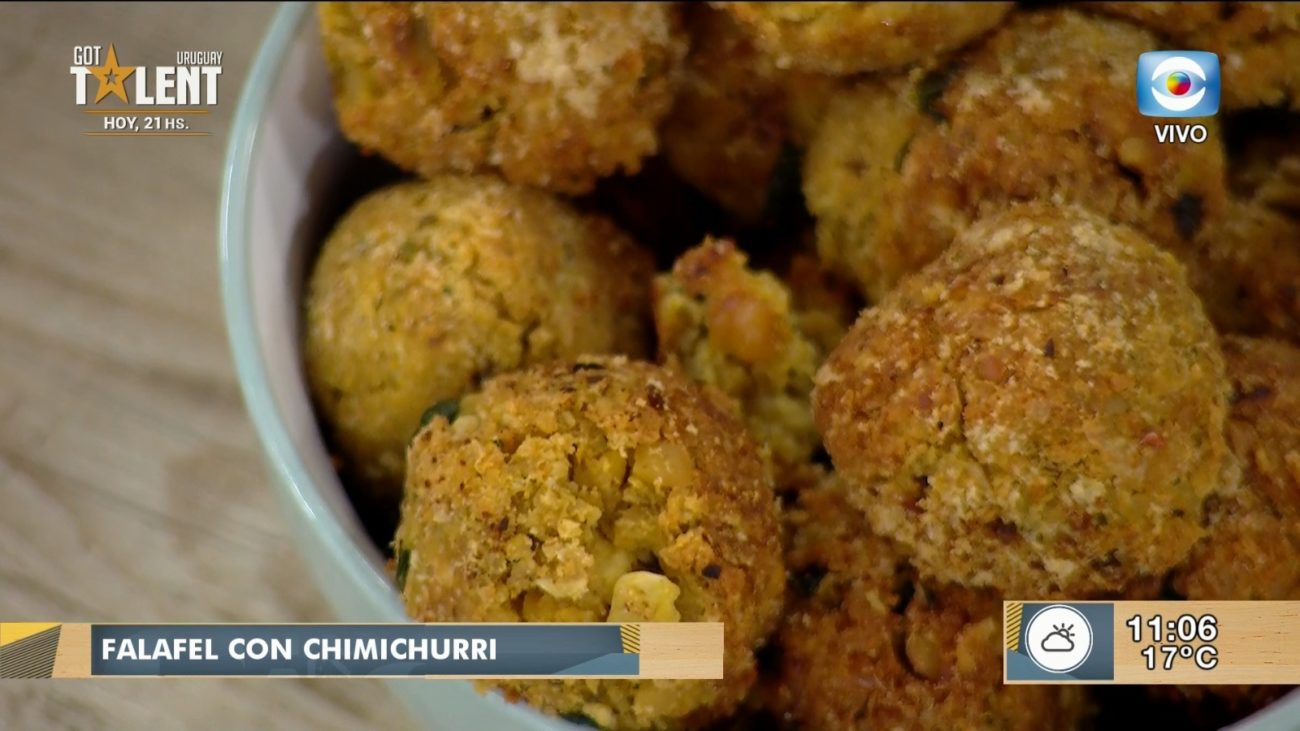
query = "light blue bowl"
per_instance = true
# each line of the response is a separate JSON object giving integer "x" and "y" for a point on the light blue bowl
{"x": 283, "y": 163}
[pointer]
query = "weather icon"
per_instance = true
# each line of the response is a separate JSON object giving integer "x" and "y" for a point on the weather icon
{"x": 1058, "y": 638}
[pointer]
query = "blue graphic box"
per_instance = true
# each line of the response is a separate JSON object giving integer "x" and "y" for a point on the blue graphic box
{"x": 1099, "y": 664}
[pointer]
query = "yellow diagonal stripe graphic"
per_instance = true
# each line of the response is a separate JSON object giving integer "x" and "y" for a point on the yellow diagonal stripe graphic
{"x": 31, "y": 657}
{"x": 13, "y": 631}
{"x": 1015, "y": 612}
{"x": 631, "y": 637}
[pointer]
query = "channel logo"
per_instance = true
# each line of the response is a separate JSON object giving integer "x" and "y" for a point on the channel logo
{"x": 1178, "y": 84}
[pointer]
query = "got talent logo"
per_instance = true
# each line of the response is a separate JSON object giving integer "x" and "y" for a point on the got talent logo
{"x": 161, "y": 101}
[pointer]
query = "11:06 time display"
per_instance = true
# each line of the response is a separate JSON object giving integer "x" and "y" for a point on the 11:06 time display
{"x": 1186, "y": 628}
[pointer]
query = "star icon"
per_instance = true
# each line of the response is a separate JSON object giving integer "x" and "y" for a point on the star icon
{"x": 111, "y": 76}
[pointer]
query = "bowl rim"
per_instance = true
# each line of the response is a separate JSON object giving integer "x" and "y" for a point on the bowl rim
{"x": 303, "y": 495}
{"x": 241, "y": 328}
{"x": 298, "y": 494}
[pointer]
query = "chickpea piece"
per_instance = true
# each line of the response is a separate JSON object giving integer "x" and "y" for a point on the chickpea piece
{"x": 644, "y": 596}
{"x": 663, "y": 465}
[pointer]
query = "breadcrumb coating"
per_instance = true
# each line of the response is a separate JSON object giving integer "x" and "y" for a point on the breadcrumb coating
{"x": 848, "y": 38}
{"x": 867, "y": 647}
{"x": 553, "y": 95}
{"x": 894, "y": 174}
{"x": 1041, "y": 409}
{"x": 723, "y": 324}
{"x": 589, "y": 491}
{"x": 425, "y": 288}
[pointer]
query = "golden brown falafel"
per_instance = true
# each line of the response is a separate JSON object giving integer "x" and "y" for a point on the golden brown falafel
{"x": 893, "y": 175}
{"x": 1041, "y": 409}
{"x": 723, "y": 324}
{"x": 1258, "y": 43}
{"x": 425, "y": 288}
{"x": 738, "y": 123}
{"x": 1247, "y": 267}
{"x": 847, "y": 38}
{"x": 853, "y": 186}
{"x": 1247, "y": 270}
{"x": 866, "y": 647}
{"x": 1162, "y": 18}
{"x": 1265, "y": 167}
{"x": 594, "y": 490}
{"x": 727, "y": 128}
{"x": 1253, "y": 538}
{"x": 1254, "y": 532}
{"x": 550, "y": 94}
{"x": 826, "y": 304}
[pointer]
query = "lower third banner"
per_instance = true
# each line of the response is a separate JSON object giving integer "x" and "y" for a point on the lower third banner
{"x": 676, "y": 650}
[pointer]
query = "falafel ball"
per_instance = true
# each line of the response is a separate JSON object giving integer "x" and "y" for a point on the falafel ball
{"x": 847, "y": 38}
{"x": 1254, "y": 533}
{"x": 553, "y": 95}
{"x": 867, "y": 647}
{"x": 727, "y": 128}
{"x": 723, "y": 324}
{"x": 826, "y": 304}
{"x": 1165, "y": 18}
{"x": 892, "y": 175}
{"x": 853, "y": 183}
{"x": 1247, "y": 270}
{"x": 600, "y": 489}
{"x": 1039, "y": 410}
{"x": 425, "y": 288}
{"x": 737, "y": 124}
{"x": 1258, "y": 43}
{"x": 1266, "y": 167}
{"x": 1254, "y": 524}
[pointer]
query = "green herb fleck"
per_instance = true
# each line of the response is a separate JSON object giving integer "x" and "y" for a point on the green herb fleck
{"x": 808, "y": 579}
{"x": 902, "y": 154}
{"x": 931, "y": 88}
{"x": 785, "y": 188}
{"x": 580, "y": 719}
{"x": 407, "y": 251}
{"x": 906, "y": 593}
{"x": 1189, "y": 212}
{"x": 403, "y": 566}
{"x": 447, "y": 409}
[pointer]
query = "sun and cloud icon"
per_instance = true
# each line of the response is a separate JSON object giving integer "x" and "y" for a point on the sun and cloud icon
{"x": 1060, "y": 639}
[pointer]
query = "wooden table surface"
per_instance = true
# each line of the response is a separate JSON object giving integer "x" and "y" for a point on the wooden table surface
{"x": 132, "y": 487}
